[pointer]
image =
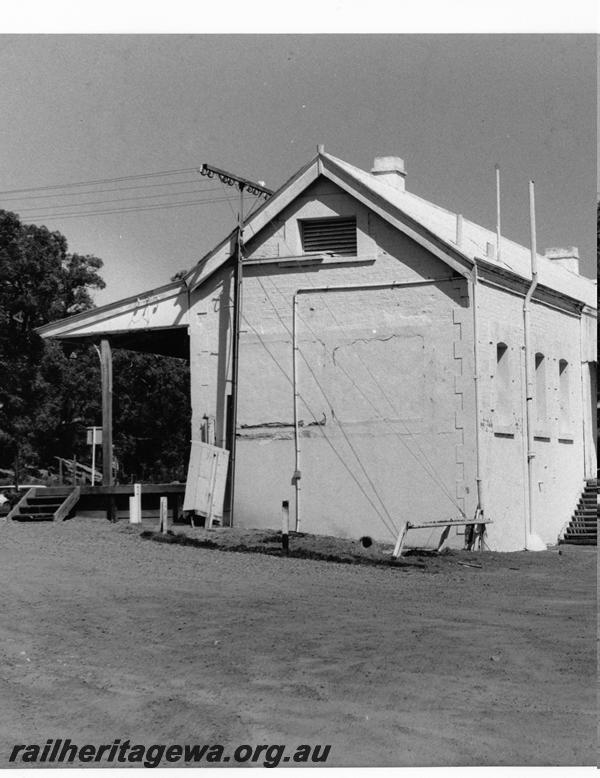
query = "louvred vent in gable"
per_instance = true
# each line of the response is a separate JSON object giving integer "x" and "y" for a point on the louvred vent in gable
{"x": 335, "y": 235}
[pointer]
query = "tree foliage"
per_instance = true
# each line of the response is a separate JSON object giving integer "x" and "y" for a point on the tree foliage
{"x": 48, "y": 395}
{"x": 39, "y": 281}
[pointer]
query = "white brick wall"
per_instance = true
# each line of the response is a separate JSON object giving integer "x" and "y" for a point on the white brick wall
{"x": 410, "y": 446}
{"x": 558, "y": 464}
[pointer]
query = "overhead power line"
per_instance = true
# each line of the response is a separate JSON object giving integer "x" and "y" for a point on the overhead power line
{"x": 393, "y": 529}
{"x": 120, "y": 199}
{"x": 339, "y": 424}
{"x": 427, "y": 465}
{"x": 150, "y": 185}
{"x": 126, "y": 210}
{"x": 89, "y": 182}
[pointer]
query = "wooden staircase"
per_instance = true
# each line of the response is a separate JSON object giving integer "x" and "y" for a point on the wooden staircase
{"x": 51, "y": 504}
{"x": 583, "y": 527}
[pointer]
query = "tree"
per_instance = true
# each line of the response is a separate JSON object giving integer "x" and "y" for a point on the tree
{"x": 49, "y": 394}
{"x": 152, "y": 414}
{"x": 39, "y": 282}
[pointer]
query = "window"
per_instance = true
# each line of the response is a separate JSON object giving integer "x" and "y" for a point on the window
{"x": 502, "y": 386}
{"x": 540, "y": 389}
{"x": 335, "y": 235}
{"x": 563, "y": 393}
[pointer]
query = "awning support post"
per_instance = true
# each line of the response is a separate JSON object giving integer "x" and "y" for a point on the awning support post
{"x": 107, "y": 412}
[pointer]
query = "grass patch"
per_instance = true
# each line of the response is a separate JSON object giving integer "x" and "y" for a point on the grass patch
{"x": 178, "y": 539}
{"x": 270, "y": 545}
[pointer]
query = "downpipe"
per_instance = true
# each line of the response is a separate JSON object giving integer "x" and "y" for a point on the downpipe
{"x": 532, "y": 541}
{"x": 480, "y": 510}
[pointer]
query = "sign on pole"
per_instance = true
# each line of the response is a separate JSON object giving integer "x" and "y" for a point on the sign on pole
{"x": 94, "y": 438}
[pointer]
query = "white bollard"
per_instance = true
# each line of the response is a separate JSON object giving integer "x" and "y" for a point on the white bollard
{"x": 137, "y": 496}
{"x": 163, "y": 515}
{"x": 134, "y": 517}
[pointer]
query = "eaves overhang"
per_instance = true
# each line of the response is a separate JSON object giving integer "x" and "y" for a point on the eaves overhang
{"x": 160, "y": 314}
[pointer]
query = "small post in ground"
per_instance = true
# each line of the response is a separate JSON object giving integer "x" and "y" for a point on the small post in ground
{"x": 163, "y": 515}
{"x": 285, "y": 526}
{"x": 137, "y": 496}
{"x": 134, "y": 516}
{"x": 400, "y": 541}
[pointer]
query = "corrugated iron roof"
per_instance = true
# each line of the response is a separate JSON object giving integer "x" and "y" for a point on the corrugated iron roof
{"x": 441, "y": 222}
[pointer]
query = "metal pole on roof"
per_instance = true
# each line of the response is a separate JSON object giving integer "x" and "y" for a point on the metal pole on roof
{"x": 498, "y": 223}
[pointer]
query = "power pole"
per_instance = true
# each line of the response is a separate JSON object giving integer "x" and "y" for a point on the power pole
{"x": 260, "y": 191}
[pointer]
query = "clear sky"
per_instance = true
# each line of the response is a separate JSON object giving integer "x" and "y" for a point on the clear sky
{"x": 78, "y": 108}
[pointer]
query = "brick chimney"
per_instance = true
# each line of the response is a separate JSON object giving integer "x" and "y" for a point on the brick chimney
{"x": 567, "y": 257}
{"x": 391, "y": 170}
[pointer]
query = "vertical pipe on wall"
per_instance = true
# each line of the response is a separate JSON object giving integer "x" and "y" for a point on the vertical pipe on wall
{"x": 296, "y": 476}
{"x": 478, "y": 455}
{"x": 529, "y": 374}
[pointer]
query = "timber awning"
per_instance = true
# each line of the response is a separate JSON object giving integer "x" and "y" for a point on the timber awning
{"x": 154, "y": 322}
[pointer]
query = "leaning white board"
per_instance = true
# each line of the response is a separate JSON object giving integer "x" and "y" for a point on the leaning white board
{"x": 206, "y": 479}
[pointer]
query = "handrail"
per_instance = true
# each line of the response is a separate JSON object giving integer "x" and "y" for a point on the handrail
{"x": 66, "y": 506}
{"x": 77, "y": 469}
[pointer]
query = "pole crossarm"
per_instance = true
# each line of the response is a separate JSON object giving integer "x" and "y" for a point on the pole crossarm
{"x": 230, "y": 180}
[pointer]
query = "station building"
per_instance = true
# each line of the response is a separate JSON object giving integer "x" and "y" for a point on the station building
{"x": 387, "y": 369}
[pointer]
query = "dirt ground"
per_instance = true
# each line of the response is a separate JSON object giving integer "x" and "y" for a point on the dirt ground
{"x": 106, "y": 635}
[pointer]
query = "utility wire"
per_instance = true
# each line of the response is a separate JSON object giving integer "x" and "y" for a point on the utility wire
{"x": 329, "y": 403}
{"x": 158, "y": 173}
{"x": 325, "y": 437}
{"x": 429, "y": 469}
{"x": 118, "y": 199}
{"x": 78, "y": 193}
{"x": 430, "y": 472}
{"x": 126, "y": 210}
{"x": 224, "y": 189}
